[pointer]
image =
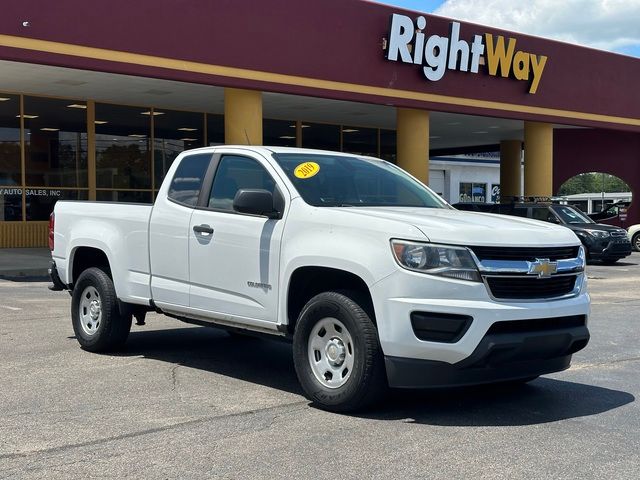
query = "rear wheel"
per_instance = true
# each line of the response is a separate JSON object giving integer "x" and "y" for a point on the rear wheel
{"x": 97, "y": 322}
{"x": 635, "y": 242}
{"x": 610, "y": 261}
{"x": 337, "y": 354}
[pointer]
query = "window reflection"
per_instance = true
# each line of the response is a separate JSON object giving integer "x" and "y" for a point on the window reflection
{"x": 360, "y": 141}
{"x": 128, "y": 196}
{"x": 215, "y": 129}
{"x": 122, "y": 146}
{"x": 280, "y": 133}
{"x": 388, "y": 145}
{"x": 40, "y": 201}
{"x": 174, "y": 132}
{"x": 322, "y": 137}
{"x": 55, "y": 142}
{"x": 10, "y": 172}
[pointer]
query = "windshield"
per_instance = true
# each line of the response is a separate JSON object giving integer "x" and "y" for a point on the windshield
{"x": 339, "y": 181}
{"x": 571, "y": 215}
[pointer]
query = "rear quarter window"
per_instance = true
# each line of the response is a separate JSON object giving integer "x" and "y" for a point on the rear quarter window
{"x": 187, "y": 181}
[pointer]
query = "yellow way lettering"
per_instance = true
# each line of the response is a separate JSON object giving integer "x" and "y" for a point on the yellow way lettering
{"x": 537, "y": 65}
{"x": 499, "y": 56}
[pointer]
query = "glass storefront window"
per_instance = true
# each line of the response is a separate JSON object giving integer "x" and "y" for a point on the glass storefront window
{"x": 55, "y": 142}
{"x": 215, "y": 129}
{"x": 123, "y": 159}
{"x": 388, "y": 147}
{"x": 10, "y": 204}
{"x": 320, "y": 136}
{"x": 472, "y": 192}
{"x": 40, "y": 201}
{"x": 280, "y": 133}
{"x": 174, "y": 132}
{"x": 360, "y": 141}
{"x": 127, "y": 196}
{"x": 10, "y": 171}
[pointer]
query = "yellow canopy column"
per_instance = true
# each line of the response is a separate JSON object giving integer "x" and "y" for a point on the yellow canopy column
{"x": 538, "y": 159}
{"x": 413, "y": 142}
{"x": 510, "y": 168}
{"x": 242, "y": 117}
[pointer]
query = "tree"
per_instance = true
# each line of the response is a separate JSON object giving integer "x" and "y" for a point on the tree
{"x": 592, "y": 182}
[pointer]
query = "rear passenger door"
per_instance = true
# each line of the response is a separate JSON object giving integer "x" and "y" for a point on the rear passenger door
{"x": 169, "y": 231}
{"x": 234, "y": 258}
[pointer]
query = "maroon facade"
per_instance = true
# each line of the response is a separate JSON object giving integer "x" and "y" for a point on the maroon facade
{"x": 337, "y": 40}
{"x": 617, "y": 153}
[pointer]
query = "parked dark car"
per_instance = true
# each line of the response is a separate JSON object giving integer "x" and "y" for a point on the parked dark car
{"x": 602, "y": 242}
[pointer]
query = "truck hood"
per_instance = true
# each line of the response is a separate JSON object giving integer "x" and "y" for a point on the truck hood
{"x": 456, "y": 227}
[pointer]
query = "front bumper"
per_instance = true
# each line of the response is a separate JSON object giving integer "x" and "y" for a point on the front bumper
{"x": 609, "y": 249}
{"x": 397, "y": 296}
{"x": 498, "y": 357}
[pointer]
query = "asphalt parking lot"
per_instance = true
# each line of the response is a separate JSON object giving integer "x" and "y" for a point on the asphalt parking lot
{"x": 191, "y": 402}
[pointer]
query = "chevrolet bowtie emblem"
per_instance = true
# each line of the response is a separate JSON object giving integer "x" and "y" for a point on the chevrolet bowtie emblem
{"x": 543, "y": 267}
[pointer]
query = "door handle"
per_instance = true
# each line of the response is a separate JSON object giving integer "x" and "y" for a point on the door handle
{"x": 203, "y": 230}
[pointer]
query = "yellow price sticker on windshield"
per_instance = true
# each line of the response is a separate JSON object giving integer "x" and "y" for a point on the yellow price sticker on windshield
{"x": 306, "y": 170}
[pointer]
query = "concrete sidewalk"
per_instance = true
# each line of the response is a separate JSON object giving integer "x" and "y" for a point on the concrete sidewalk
{"x": 24, "y": 263}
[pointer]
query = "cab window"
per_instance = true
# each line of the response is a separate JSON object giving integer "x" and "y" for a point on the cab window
{"x": 234, "y": 173}
{"x": 187, "y": 181}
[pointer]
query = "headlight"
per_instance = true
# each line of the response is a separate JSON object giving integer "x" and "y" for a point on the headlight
{"x": 443, "y": 260}
{"x": 598, "y": 233}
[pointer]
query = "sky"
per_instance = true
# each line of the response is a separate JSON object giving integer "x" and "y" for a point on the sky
{"x": 612, "y": 25}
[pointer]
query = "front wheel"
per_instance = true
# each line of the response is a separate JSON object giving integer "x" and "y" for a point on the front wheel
{"x": 337, "y": 354}
{"x": 635, "y": 242}
{"x": 97, "y": 322}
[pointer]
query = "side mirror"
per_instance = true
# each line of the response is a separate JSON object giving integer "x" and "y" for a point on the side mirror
{"x": 255, "y": 202}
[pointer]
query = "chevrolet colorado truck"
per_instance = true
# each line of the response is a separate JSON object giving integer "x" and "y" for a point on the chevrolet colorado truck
{"x": 375, "y": 279}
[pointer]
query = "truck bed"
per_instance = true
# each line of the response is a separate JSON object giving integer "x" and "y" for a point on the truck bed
{"x": 120, "y": 230}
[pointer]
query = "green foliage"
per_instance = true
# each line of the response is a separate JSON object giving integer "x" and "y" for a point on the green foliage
{"x": 592, "y": 183}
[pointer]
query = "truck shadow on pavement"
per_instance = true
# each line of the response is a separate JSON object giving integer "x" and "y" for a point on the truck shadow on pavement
{"x": 270, "y": 363}
{"x": 260, "y": 361}
{"x": 541, "y": 401}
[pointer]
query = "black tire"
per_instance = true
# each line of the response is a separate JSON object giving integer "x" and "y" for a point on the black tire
{"x": 610, "y": 261}
{"x": 366, "y": 382}
{"x": 635, "y": 241}
{"x": 111, "y": 328}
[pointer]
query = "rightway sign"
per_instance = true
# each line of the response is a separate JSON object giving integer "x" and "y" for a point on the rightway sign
{"x": 408, "y": 43}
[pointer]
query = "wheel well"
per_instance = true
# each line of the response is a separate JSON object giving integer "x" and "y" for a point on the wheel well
{"x": 307, "y": 282}
{"x": 87, "y": 257}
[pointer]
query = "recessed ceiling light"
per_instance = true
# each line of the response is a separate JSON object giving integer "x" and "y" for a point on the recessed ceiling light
{"x": 480, "y": 131}
{"x": 100, "y": 122}
{"x": 49, "y": 129}
{"x": 301, "y": 126}
{"x": 287, "y": 137}
{"x": 187, "y": 129}
{"x": 4, "y": 99}
{"x": 27, "y": 116}
{"x": 137, "y": 135}
{"x": 454, "y": 123}
{"x": 77, "y": 105}
{"x": 349, "y": 130}
{"x": 155, "y": 113}
{"x": 494, "y": 126}
{"x": 434, "y": 137}
{"x": 188, "y": 139}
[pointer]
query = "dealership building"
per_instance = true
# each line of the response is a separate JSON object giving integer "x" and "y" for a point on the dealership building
{"x": 98, "y": 98}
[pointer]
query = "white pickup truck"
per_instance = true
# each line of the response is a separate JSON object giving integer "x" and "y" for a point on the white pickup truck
{"x": 376, "y": 280}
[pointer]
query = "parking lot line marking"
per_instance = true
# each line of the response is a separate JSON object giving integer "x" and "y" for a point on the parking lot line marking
{"x": 15, "y": 309}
